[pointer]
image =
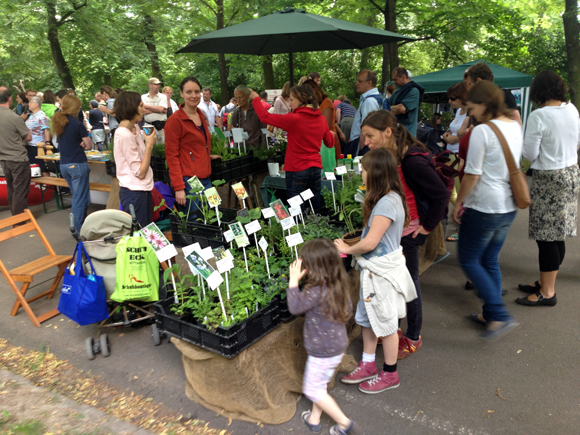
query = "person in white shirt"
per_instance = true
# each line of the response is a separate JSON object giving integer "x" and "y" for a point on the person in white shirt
{"x": 550, "y": 144}
{"x": 210, "y": 109}
{"x": 456, "y": 94}
{"x": 490, "y": 208}
{"x": 172, "y": 106}
{"x": 155, "y": 105}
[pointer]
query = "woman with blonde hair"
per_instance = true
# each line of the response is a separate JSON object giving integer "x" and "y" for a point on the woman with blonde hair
{"x": 282, "y": 104}
{"x": 73, "y": 140}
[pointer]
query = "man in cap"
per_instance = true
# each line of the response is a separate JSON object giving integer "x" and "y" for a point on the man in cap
{"x": 155, "y": 105}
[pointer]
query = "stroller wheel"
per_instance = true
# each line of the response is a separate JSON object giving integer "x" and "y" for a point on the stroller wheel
{"x": 105, "y": 348}
{"x": 156, "y": 335}
{"x": 89, "y": 348}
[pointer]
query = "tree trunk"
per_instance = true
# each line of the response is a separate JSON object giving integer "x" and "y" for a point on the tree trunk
{"x": 149, "y": 39}
{"x": 268, "y": 69}
{"x": 572, "y": 35}
{"x": 223, "y": 67}
{"x": 391, "y": 22}
{"x": 57, "y": 56}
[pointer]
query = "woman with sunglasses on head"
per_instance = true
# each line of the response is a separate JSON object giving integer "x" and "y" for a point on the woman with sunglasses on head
{"x": 456, "y": 94}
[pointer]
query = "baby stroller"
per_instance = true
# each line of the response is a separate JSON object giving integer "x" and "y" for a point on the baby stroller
{"x": 100, "y": 234}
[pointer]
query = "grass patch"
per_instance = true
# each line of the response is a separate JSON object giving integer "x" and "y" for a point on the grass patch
{"x": 28, "y": 427}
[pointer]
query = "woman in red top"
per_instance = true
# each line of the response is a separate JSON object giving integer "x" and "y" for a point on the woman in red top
{"x": 307, "y": 129}
{"x": 427, "y": 197}
{"x": 188, "y": 143}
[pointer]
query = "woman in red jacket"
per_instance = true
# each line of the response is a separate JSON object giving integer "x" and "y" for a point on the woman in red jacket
{"x": 306, "y": 128}
{"x": 188, "y": 143}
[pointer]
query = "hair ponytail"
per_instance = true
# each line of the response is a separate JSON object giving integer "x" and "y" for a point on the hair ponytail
{"x": 69, "y": 105}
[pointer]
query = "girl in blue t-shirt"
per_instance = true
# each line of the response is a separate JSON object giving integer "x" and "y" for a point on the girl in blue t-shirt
{"x": 385, "y": 214}
{"x": 73, "y": 140}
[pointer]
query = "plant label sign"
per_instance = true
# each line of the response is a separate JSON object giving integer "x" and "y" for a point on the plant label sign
{"x": 287, "y": 223}
{"x": 307, "y": 194}
{"x": 295, "y": 201}
{"x": 191, "y": 248}
{"x": 197, "y": 262}
{"x": 239, "y": 235}
{"x": 225, "y": 265}
{"x": 295, "y": 210}
{"x": 330, "y": 176}
{"x": 214, "y": 280}
{"x": 195, "y": 184}
{"x": 155, "y": 238}
{"x": 268, "y": 213}
{"x": 294, "y": 239}
{"x": 263, "y": 244}
{"x": 229, "y": 235}
{"x": 341, "y": 170}
{"x": 253, "y": 227}
{"x": 237, "y": 135}
{"x": 206, "y": 253}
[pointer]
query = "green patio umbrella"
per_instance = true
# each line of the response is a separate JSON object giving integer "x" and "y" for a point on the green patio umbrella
{"x": 290, "y": 31}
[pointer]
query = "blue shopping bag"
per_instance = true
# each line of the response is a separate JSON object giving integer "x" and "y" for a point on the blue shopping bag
{"x": 83, "y": 298}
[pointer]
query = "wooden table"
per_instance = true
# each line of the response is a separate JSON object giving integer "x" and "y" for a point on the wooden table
{"x": 113, "y": 200}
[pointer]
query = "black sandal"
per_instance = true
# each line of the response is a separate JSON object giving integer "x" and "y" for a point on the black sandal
{"x": 530, "y": 288}
{"x": 542, "y": 301}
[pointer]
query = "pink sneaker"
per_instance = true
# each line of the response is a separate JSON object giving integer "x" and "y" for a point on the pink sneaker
{"x": 363, "y": 372}
{"x": 382, "y": 382}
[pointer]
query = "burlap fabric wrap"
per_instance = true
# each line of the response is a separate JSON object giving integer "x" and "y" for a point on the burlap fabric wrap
{"x": 264, "y": 382}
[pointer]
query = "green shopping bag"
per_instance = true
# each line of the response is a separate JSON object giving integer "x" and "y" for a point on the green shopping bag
{"x": 328, "y": 158}
{"x": 137, "y": 271}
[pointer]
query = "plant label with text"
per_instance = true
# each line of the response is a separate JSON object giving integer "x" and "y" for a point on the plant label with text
{"x": 214, "y": 280}
{"x": 229, "y": 235}
{"x": 295, "y": 211}
{"x": 225, "y": 265}
{"x": 330, "y": 176}
{"x": 294, "y": 239}
{"x": 307, "y": 194}
{"x": 263, "y": 244}
{"x": 268, "y": 213}
{"x": 295, "y": 201}
{"x": 206, "y": 253}
{"x": 341, "y": 170}
{"x": 287, "y": 223}
{"x": 253, "y": 227}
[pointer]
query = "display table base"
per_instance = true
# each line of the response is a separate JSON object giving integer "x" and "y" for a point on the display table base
{"x": 262, "y": 384}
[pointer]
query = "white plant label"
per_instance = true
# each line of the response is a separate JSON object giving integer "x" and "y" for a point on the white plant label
{"x": 253, "y": 227}
{"x": 330, "y": 176}
{"x": 295, "y": 201}
{"x": 287, "y": 223}
{"x": 225, "y": 265}
{"x": 341, "y": 170}
{"x": 307, "y": 194}
{"x": 263, "y": 244}
{"x": 206, "y": 253}
{"x": 229, "y": 235}
{"x": 295, "y": 211}
{"x": 294, "y": 239}
{"x": 214, "y": 280}
{"x": 190, "y": 248}
{"x": 268, "y": 213}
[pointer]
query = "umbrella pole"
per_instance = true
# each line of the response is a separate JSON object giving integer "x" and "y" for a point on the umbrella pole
{"x": 291, "y": 56}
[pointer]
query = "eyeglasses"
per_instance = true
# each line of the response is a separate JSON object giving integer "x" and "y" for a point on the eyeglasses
{"x": 453, "y": 99}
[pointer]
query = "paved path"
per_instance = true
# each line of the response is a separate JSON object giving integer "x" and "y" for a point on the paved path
{"x": 527, "y": 382}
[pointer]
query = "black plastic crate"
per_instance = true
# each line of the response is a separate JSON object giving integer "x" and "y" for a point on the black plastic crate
{"x": 260, "y": 166}
{"x": 160, "y": 171}
{"x": 284, "y": 312}
{"x": 227, "y": 342}
{"x": 110, "y": 168}
{"x": 231, "y": 170}
{"x": 194, "y": 231}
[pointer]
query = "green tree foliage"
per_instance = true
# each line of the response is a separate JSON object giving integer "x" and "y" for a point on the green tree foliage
{"x": 124, "y": 43}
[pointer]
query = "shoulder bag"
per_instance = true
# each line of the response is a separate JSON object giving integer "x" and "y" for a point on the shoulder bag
{"x": 518, "y": 181}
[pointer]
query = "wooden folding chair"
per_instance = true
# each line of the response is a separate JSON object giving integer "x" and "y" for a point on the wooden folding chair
{"x": 25, "y": 274}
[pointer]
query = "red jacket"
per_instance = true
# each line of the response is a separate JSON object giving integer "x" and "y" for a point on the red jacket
{"x": 186, "y": 149}
{"x": 306, "y": 128}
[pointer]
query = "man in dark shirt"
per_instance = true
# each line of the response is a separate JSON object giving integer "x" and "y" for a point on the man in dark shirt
{"x": 14, "y": 135}
{"x": 482, "y": 71}
{"x": 97, "y": 128}
{"x": 245, "y": 117}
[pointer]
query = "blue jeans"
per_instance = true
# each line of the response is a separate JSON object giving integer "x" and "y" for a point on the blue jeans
{"x": 77, "y": 178}
{"x": 481, "y": 237}
{"x": 298, "y": 182}
{"x": 192, "y": 206}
